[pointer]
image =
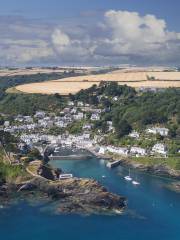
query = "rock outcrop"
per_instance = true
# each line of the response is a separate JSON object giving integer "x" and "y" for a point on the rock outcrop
{"x": 83, "y": 196}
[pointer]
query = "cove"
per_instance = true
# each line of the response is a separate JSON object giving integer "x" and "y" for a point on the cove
{"x": 153, "y": 211}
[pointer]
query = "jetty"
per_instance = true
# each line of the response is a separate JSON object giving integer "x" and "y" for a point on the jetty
{"x": 70, "y": 157}
{"x": 113, "y": 164}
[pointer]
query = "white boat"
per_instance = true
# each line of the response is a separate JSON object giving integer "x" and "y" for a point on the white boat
{"x": 65, "y": 176}
{"x": 103, "y": 176}
{"x": 135, "y": 183}
{"x": 128, "y": 178}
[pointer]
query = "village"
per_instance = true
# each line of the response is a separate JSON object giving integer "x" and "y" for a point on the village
{"x": 44, "y": 129}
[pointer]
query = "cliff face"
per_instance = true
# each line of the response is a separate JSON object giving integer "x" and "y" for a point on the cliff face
{"x": 83, "y": 196}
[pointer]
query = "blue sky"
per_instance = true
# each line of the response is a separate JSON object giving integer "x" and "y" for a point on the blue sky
{"x": 55, "y": 28}
{"x": 166, "y": 9}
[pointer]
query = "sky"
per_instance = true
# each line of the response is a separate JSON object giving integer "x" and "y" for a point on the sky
{"x": 89, "y": 32}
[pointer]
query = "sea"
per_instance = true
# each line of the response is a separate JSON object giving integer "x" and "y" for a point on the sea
{"x": 153, "y": 210}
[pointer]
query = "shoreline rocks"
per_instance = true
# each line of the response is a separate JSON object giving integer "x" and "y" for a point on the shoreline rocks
{"x": 157, "y": 169}
{"x": 81, "y": 196}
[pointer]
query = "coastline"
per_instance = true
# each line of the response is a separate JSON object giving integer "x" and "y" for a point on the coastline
{"x": 74, "y": 195}
{"x": 157, "y": 169}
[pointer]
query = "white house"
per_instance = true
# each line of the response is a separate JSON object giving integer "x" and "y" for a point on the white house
{"x": 110, "y": 126}
{"x": 95, "y": 117}
{"x": 80, "y": 104}
{"x": 134, "y": 134}
{"x": 79, "y": 116}
{"x": 118, "y": 150}
{"x": 70, "y": 103}
{"x": 157, "y": 130}
{"x": 87, "y": 127}
{"x": 73, "y": 111}
{"x": 40, "y": 114}
{"x": 102, "y": 150}
{"x": 97, "y": 110}
{"x": 115, "y": 98}
{"x": 61, "y": 124}
{"x": 6, "y": 124}
{"x": 42, "y": 123}
{"x": 160, "y": 148}
{"x": 138, "y": 151}
{"x": 19, "y": 118}
{"x": 28, "y": 119}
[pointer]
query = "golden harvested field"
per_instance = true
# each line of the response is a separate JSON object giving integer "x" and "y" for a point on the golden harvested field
{"x": 52, "y": 87}
{"x": 20, "y": 72}
{"x": 74, "y": 84}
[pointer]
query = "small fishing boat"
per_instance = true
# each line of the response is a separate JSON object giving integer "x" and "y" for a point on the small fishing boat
{"x": 103, "y": 176}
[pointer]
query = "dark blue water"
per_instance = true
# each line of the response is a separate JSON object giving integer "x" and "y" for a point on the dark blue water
{"x": 153, "y": 211}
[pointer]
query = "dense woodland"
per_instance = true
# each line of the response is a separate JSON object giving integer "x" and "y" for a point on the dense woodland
{"x": 133, "y": 109}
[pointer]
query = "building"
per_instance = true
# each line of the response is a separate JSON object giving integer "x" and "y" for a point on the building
{"x": 6, "y": 124}
{"x": 160, "y": 148}
{"x": 87, "y": 127}
{"x": 110, "y": 126}
{"x": 61, "y": 124}
{"x": 134, "y": 134}
{"x": 115, "y": 98}
{"x": 138, "y": 151}
{"x": 118, "y": 150}
{"x": 70, "y": 103}
{"x": 95, "y": 117}
{"x": 28, "y": 119}
{"x": 79, "y": 116}
{"x": 102, "y": 150}
{"x": 80, "y": 104}
{"x": 157, "y": 130}
{"x": 40, "y": 114}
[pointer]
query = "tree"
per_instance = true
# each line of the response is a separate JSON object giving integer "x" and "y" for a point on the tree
{"x": 1, "y": 120}
{"x": 34, "y": 154}
{"x": 123, "y": 128}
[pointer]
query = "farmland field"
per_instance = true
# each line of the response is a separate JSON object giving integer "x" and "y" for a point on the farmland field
{"x": 133, "y": 79}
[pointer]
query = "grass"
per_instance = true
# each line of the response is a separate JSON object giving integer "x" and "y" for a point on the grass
{"x": 13, "y": 90}
{"x": 172, "y": 162}
{"x": 10, "y": 173}
{"x": 33, "y": 167}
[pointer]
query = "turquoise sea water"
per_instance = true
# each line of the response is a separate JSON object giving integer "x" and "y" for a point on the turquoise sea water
{"x": 153, "y": 211}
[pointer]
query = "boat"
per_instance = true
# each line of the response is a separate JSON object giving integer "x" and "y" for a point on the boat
{"x": 128, "y": 178}
{"x": 103, "y": 176}
{"x": 65, "y": 176}
{"x": 135, "y": 183}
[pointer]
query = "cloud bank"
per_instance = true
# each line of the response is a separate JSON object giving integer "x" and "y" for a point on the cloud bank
{"x": 120, "y": 37}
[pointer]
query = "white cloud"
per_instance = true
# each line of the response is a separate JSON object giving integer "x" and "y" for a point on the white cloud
{"x": 60, "y": 39}
{"x": 23, "y": 51}
{"x": 120, "y": 37}
{"x": 135, "y": 34}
